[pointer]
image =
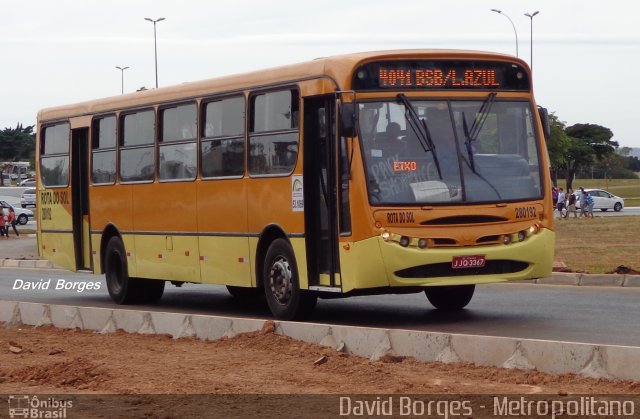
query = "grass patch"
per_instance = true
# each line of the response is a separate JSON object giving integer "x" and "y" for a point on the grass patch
{"x": 598, "y": 245}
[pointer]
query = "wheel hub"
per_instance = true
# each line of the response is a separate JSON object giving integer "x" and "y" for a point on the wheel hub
{"x": 280, "y": 280}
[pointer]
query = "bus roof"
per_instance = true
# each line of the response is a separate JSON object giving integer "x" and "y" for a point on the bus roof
{"x": 338, "y": 68}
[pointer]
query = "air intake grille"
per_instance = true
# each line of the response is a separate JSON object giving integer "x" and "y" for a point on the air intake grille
{"x": 492, "y": 267}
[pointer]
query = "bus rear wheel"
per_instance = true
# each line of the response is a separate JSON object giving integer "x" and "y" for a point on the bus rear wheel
{"x": 453, "y": 297}
{"x": 116, "y": 272}
{"x": 122, "y": 288}
{"x": 282, "y": 285}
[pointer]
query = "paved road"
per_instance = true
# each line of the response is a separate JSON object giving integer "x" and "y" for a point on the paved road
{"x": 12, "y": 192}
{"x": 569, "y": 313}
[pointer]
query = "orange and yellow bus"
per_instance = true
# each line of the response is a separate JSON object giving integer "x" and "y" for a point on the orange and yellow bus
{"x": 369, "y": 173}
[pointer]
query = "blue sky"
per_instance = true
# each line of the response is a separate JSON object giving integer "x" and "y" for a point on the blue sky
{"x": 585, "y": 53}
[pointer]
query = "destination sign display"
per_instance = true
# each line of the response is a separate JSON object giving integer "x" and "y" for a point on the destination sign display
{"x": 441, "y": 74}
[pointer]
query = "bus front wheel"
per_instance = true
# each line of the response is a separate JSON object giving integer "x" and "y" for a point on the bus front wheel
{"x": 282, "y": 285}
{"x": 453, "y": 297}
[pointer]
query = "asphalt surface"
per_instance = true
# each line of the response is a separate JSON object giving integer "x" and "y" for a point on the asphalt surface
{"x": 601, "y": 315}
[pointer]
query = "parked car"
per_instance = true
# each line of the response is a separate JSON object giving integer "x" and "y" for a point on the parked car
{"x": 603, "y": 200}
{"x": 22, "y": 215}
{"x": 28, "y": 197}
{"x": 28, "y": 182}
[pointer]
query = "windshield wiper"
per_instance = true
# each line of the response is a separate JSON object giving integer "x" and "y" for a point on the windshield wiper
{"x": 419, "y": 127}
{"x": 471, "y": 135}
{"x": 467, "y": 144}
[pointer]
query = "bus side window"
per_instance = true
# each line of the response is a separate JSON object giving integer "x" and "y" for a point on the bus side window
{"x": 137, "y": 146}
{"x": 103, "y": 151}
{"x": 177, "y": 150}
{"x": 54, "y": 160}
{"x": 274, "y": 136}
{"x": 222, "y": 146}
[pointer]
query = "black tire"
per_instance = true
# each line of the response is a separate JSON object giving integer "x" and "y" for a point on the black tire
{"x": 117, "y": 273}
{"x": 243, "y": 292}
{"x": 282, "y": 284}
{"x": 453, "y": 297}
{"x": 617, "y": 207}
{"x": 23, "y": 219}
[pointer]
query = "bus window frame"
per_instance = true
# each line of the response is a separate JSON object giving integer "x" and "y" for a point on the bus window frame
{"x": 116, "y": 148}
{"x": 244, "y": 136}
{"x": 43, "y": 141}
{"x": 154, "y": 144}
{"x": 159, "y": 128}
{"x": 249, "y": 133}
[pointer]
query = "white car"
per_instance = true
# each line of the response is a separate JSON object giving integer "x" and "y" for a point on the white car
{"x": 28, "y": 182}
{"x": 28, "y": 197}
{"x": 602, "y": 200}
{"x": 22, "y": 215}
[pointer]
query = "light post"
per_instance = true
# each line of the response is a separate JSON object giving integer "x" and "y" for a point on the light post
{"x": 122, "y": 77}
{"x": 530, "y": 16}
{"x": 514, "y": 26}
{"x": 155, "y": 43}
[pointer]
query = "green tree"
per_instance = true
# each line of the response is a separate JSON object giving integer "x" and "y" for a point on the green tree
{"x": 579, "y": 154}
{"x": 590, "y": 143}
{"x": 557, "y": 146}
{"x": 595, "y": 136}
{"x": 17, "y": 144}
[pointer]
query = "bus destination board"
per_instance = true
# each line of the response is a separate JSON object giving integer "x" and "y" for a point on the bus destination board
{"x": 445, "y": 74}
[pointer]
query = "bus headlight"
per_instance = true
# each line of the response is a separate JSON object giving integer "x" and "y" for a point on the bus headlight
{"x": 422, "y": 243}
{"x": 507, "y": 239}
{"x": 522, "y": 235}
{"x": 385, "y": 236}
{"x": 534, "y": 229}
{"x": 404, "y": 241}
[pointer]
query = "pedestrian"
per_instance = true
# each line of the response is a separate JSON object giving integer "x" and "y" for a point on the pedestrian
{"x": 11, "y": 220}
{"x": 561, "y": 204}
{"x": 2, "y": 223}
{"x": 584, "y": 207}
{"x": 571, "y": 207}
{"x": 590, "y": 204}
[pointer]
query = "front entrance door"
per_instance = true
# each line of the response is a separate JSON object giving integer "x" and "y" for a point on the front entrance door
{"x": 80, "y": 197}
{"x": 321, "y": 230}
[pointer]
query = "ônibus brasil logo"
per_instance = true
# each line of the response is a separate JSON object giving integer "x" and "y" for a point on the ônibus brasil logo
{"x": 34, "y": 407}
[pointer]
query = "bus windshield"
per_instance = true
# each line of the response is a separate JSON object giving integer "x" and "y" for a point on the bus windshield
{"x": 458, "y": 151}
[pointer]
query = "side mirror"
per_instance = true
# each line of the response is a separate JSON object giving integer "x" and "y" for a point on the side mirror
{"x": 348, "y": 120}
{"x": 544, "y": 119}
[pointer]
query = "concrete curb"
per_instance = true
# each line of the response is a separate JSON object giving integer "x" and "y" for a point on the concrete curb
{"x": 27, "y": 263}
{"x": 597, "y": 361}
{"x": 591, "y": 280}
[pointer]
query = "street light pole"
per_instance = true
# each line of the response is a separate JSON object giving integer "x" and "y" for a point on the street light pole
{"x": 530, "y": 16}
{"x": 514, "y": 26}
{"x": 155, "y": 43}
{"x": 122, "y": 77}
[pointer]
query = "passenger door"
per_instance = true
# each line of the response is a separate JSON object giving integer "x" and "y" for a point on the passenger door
{"x": 80, "y": 197}
{"x": 320, "y": 191}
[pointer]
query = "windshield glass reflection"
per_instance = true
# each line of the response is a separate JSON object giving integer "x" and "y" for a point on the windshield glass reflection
{"x": 497, "y": 162}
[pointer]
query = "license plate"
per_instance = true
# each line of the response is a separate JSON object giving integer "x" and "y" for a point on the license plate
{"x": 464, "y": 262}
